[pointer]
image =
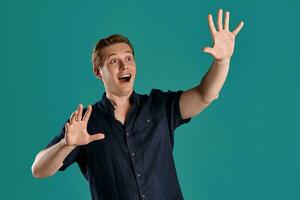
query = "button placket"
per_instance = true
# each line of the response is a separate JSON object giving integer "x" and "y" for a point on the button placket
{"x": 148, "y": 120}
{"x": 139, "y": 174}
{"x": 135, "y": 158}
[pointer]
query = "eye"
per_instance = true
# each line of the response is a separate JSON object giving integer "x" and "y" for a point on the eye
{"x": 129, "y": 58}
{"x": 112, "y": 61}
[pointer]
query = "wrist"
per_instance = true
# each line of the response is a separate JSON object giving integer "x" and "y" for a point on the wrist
{"x": 65, "y": 145}
{"x": 223, "y": 60}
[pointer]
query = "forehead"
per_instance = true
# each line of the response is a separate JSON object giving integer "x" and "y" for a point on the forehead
{"x": 116, "y": 49}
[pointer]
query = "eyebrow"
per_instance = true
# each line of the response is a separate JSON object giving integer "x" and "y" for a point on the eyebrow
{"x": 112, "y": 54}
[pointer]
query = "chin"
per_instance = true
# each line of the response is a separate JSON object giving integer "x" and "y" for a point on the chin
{"x": 121, "y": 90}
{"x": 126, "y": 91}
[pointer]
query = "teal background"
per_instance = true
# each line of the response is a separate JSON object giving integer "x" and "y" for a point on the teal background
{"x": 245, "y": 145}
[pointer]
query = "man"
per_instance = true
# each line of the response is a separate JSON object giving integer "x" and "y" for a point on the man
{"x": 123, "y": 143}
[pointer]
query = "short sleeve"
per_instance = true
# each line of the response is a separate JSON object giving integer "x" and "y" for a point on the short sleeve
{"x": 170, "y": 106}
{"x": 72, "y": 157}
{"x": 173, "y": 110}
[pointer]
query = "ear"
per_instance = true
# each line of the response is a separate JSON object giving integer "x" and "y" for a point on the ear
{"x": 97, "y": 71}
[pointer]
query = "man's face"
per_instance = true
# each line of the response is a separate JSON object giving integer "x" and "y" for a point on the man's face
{"x": 119, "y": 69}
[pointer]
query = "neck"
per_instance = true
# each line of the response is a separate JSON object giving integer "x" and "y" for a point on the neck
{"x": 118, "y": 100}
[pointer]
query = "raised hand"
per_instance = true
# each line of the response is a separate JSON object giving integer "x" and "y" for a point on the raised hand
{"x": 223, "y": 39}
{"x": 76, "y": 129}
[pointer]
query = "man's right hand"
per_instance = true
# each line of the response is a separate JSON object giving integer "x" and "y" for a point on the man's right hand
{"x": 76, "y": 129}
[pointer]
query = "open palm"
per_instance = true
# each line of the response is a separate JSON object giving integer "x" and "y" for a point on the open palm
{"x": 76, "y": 131}
{"x": 223, "y": 39}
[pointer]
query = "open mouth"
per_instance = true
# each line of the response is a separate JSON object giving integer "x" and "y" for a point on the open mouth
{"x": 125, "y": 78}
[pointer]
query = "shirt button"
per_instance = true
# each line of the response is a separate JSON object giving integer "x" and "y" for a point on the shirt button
{"x": 138, "y": 174}
{"x": 143, "y": 196}
{"x": 132, "y": 153}
{"x": 148, "y": 120}
{"x": 127, "y": 133}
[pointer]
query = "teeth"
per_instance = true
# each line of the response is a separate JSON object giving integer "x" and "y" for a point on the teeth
{"x": 125, "y": 76}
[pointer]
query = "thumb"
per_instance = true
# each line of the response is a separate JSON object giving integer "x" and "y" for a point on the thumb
{"x": 208, "y": 50}
{"x": 98, "y": 136}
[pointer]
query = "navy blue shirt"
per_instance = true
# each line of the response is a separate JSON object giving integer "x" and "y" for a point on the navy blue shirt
{"x": 135, "y": 160}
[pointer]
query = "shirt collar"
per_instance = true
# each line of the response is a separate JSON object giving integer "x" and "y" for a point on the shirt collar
{"x": 107, "y": 105}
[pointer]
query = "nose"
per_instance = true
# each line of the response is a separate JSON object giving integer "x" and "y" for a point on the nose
{"x": 123, "y": 65}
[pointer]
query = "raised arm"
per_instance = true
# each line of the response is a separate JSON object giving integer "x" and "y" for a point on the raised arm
{"x": 194, "y": 100}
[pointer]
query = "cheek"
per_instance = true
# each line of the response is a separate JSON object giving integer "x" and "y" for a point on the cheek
{"x": 134, "y": 67}
{"x": 106, "y": 77}
{"x": 110, "y": 72}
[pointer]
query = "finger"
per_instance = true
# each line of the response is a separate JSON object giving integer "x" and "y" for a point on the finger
{"x": 98, "y": 136}
{"x": 74, "y": 117}
{"x": 79, "y": 116}
{"x": 220, "y": 25}
{"x": 226, "y": 23}
{"x": 211, "y": 24}
{"x": 238, "y": 28}
{"x": 66, "y": 127}
{"x": 66, "y": 131}
{"x": 208, "y": 50}
{"x": 87, "y": 114}
{"x": 71, "y": 117}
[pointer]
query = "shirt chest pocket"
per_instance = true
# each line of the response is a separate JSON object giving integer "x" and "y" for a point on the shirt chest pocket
{"x": 147, "y": 124}
{"x": 151, "y": 131}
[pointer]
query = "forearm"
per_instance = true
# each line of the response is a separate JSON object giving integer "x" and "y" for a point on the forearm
{"x": 48, "y": 161}
{"x": 214, "y": 79}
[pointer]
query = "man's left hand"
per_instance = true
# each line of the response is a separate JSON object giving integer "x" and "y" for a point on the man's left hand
{"x": 223, "y": 39}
